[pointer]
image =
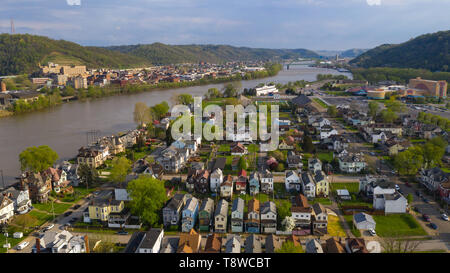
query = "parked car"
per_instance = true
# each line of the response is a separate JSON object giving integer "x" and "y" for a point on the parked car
{"x": 407, "y": 184}
{"x": 418, "y": 193}
{"x": 444, "y": 217}
{"x": 122, "y": 232}
{"x": 49, "y": 227}
{"x": 67, "y": 213}
{"x": 397, "y": 187}
{"x": 76, "y": 206}
{"x": 433, "y": 226}
{"x": 22, "y": 245}
{"x": 372, "y": 232}
{"x": 426, "y": 218}
{"x": 425, "y": 200}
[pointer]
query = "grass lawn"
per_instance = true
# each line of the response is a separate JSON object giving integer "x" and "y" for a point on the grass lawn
{"x": 325, "y": 157}
{"x": 335, "y": 227}
{"x": 224, "y": 148}
{"x": 396, "y": 225}
{"x": 253, "y": 148}
{"x": 321, "y": 102}
{"x": 323, "y": 201}
{"x": 349, "y": 220}
{"x": 58, "y": 207}
{"x": 447, "y": 170}
{"x": 351, "y": 187}
{"x": 79, "y": 193}
{"x": 41, "y": 217}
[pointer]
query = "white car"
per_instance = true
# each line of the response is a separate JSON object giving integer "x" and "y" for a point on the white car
{"x": 397, "y": 187}
{"x": 444, "y": 217}
{"x": 372, "y": 232}
{"x": 49, "y": 227}
{"x": 22, "y": 245}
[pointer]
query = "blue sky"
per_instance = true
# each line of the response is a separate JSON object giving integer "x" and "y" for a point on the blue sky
{"x": 312, "y": 24}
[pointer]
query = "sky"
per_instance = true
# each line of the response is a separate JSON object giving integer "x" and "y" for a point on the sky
{"x": 311, "y": 24}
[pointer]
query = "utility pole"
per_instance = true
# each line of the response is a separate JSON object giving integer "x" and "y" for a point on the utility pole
{"x": 3, "y": 180}
{"x": 13, "y": 29}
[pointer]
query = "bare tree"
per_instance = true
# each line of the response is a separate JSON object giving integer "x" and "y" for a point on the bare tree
{"x": 397, "y": 245}
{"x": 142, "y": 114}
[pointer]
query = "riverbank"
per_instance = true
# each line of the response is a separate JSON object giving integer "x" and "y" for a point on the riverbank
{"x": 53, "y": 97}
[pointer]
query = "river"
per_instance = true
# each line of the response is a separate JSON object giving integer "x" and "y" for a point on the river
{"x": 64, "y": 128}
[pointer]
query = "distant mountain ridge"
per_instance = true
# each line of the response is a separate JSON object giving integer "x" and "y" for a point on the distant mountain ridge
{"x": 350, "y": 53}
{"x": 159, "y": 53}
{"x": 429, "y": 51}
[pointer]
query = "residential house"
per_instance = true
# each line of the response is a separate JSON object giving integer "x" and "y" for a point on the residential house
{"x": 432, "y": 178}
{"x": 301, "y": 212}
{"x": 314, "y": 164}
{"x": 294, "y": 161}
{"x": 352, "y": 163}
{"x": 390, "y": 202}
{"x": 38, "y": 186}
{"x": 189, "y": 242}
{"x": 201, "y": 181}
{"x": 327, "y": 131}
{"x": 221, "y": 217}
{"x": 241, "y": 182}
{"x": 334, "y": 245}
{"x": 60, "y": 242}
{"x": 213, "y": 244}
{"x": 356, "y": 245}
{"x": 189, "y": 214}
{"x": 172, "y": 211}
{"x": 253, "y": 183}
{"x": 322, "y": 184}
{"x": 20, "y": 197}
{"x": 172, "y": 159}
{"x": 59, "y": 180}
{"x": 371, "y": 186}
{"x": 319, "y": 219}
{"x": 101, "y": 208}
{"x": 292, "y": 181}
{"x": 285, "y": 146}
{"x": 226, "y": 188}
{"x": 129, "y": 139}
{"x": 363, "y": 221}
{"x": 6, "y": 209}
{"x": 238, "y": 149}
{"x": 308, "y": 185}
{"x": 253, "y": 221}
{"x": 233, "y": 244}
{"x": 253, "y": 244}
{"x": 215, "y": 180}
{"x": 237, "y": 215}
{"x": 313, "y": 246}
{"x": 266, "y": 179}
{"x": 151, "y": 242}
{"x": 90, "y": 156}
{"x": 268, "y": 217}
{"x": 205, "y": 214}
{"x": 377, "y": 137}
{"x": 273, "y": 243}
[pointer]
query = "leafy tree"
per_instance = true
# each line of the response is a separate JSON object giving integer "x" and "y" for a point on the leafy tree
{"x": 184, "y": 99}
{"x": 280, "y": 167}
{"x": 120, "y": 168}
{"x": 432, "y": 154}
{"x": 308, "y": 146}
{"x": 230, "y": 91}
{"x": 37, "y": 159}
{"x": 213, "y": 93}
{"x": 410, "y": 199}
{"x": 373, "y": 108}
{"x": 388, "y": 116}
{"x": 410, "y": 161}
{"x": 142, "y": 114}
{"x": 288, "y": 223}
{"x": 148, "y": 196}
{"x": 289, "y": 247}
{"x": 88, "y": 175}
{"x": 160, "y": 109}
{"x": 332, "y": 111}
{"x": 284, "y": 209}
{"x": 243, "y": 165}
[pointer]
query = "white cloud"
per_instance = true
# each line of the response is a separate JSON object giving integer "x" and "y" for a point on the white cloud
{"x": 374, "y": 2}
{"x": 73, "y": 2}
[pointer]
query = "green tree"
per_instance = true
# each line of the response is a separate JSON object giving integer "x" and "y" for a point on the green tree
{"x": 120, "y": 168}
{"x": 332, "y": 111}
{"x": 280, "y": 167}
{"x": 284, "y": 209}
{"x": 243, "y": 165}
{"x": 289, "y": 247}
{"x": 230, "y": 91}
{"x": 308, "y": 146}
{"x": 142, "y": 114}
{"x": 88, "y": 175}
{"x": 213, "y": 93}
{"x": 184, "y": 99}
{"x": 37, "y": 159}
{"x": 410, "y": 161}
{"x": 373, "y": 109}
{"x": 160, "y": 109}
{"x": 388, "y": 116}
{"x": 410, "y": 199}
{"x": 148, "y": 196}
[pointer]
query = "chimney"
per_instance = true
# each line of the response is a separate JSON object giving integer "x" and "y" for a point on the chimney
{"x": 86, "y": 243}
{"x": 38, "y": 245}
{"x": 3, "y": 86}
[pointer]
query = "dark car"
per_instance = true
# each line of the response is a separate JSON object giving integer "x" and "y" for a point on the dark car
{"x": 73, "y": 220}
{"x": 67, "y": 213}
{"x": 76, "y": 206}
{"x": 426, "y": 218}
{"x": 122, "y": 232}
{"x": 433, "y": 226}
{"x": 418, "y": 193}
{"x": 416, "y": 209}
{"x": 425, "y": 200}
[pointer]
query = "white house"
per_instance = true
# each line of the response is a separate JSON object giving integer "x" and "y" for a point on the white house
{"x": 351, "y": 163}
{"x": 327, "y": 132}
{"x": 292, "y": 181}
{"x": 215, "y": 179}
{"x": 266, "y": 90}
{"x": 314, "y": 164}
{"x": 6, "y": 209}
{"x": 390, "y": 203}
{"x": 363, "y": 221}
{"x": 151, "y": 243}
{"x": 308, "y": 185}
{"x": 378, "y": 137}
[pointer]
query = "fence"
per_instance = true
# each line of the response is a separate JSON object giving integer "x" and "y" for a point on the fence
{"x": 350, "y": 210}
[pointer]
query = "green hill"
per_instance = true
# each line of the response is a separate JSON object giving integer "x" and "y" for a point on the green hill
{"x": 159, "y": 53}
{"x": 22, "y": 53}
{"x": 429, "y": 51}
